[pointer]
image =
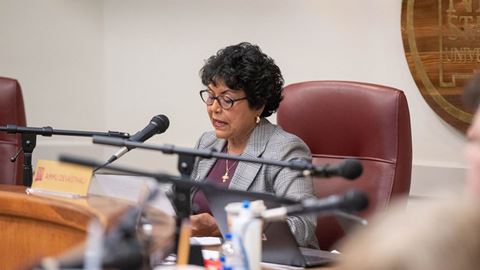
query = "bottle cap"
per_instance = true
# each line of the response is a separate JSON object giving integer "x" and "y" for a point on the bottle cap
{"x": 246, "y": 204}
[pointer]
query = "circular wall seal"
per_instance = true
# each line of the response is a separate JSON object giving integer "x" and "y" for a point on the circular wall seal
{"x": 441, "y": 39}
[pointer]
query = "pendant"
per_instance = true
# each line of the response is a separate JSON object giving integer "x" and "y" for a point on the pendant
{"x": 225, "y": 178}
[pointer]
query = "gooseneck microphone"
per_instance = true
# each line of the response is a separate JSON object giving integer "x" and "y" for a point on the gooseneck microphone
{"x": 349, "y": 169}
{"x": 157, "y": 125}
{"x": 351, "y": 201}
{"x": 29, "y": 142}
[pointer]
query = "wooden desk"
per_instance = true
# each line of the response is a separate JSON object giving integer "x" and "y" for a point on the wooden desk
{"x": 32, "y": 227}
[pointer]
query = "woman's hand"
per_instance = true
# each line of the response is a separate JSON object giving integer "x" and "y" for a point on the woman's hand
{"x": 204, "y": 225}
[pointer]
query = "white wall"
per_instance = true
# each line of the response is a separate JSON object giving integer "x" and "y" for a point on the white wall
{"x": 55, "y": 49}
{"x": 115, "y": 64}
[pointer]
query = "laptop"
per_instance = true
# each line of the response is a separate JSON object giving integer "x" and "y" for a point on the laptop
{"x": 279, "y": 245}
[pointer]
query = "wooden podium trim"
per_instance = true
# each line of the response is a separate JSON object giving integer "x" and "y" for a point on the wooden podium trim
{"x": 32, "y": 227}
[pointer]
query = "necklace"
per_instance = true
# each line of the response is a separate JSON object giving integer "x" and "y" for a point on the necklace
{"x": 226, "y": 177}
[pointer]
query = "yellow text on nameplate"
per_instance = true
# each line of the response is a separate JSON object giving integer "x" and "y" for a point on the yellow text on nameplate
{"x": 62, "y": 177}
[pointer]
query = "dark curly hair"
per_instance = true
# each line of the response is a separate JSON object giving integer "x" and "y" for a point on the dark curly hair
{"x": 245, "y": 67}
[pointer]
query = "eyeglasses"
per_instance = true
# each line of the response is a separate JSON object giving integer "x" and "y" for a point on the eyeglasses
{"x": 224, "y": 101}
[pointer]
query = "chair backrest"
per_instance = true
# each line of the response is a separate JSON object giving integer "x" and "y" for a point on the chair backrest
{"x": 339, "y": 119}
{"x": 12, "y": 111}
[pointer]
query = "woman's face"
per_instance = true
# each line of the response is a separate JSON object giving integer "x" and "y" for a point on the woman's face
{"x": 233, "y": 124}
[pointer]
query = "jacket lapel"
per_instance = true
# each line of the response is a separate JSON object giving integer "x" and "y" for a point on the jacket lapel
{"x": 205, "y": 165}
{"x": 246, "y": 172}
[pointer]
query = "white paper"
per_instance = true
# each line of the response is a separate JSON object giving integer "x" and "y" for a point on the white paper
{"x": 130, "y": 188}
{"x": 206, "y": 241}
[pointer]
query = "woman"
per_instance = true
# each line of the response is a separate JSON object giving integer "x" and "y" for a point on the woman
{"x": 243, "y": 87}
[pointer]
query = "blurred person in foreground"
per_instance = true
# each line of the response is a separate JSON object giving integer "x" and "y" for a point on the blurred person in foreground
{"x": 243, "y": 87}
{"x": 435, "y": 235}
{"x": 471, "y": 99}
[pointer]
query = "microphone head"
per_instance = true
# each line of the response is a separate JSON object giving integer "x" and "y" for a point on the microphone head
{"x": 350, "y": 169}
{"x": 162, "y": 123}
{"x": 157, "y": 125}
{"x": 355, "y": 200}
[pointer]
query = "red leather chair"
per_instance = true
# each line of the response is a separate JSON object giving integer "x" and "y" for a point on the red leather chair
{"x": 339, "y": 119}
{"x": 12, "y": 111}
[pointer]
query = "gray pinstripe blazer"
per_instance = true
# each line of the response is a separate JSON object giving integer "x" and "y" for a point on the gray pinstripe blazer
{"x": 270, "y": 142}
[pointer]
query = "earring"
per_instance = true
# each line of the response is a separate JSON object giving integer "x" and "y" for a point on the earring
{"x": 257, "y": 119}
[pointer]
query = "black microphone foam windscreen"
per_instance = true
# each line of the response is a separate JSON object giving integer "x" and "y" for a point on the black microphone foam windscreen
{"x": 351, "y": 169}
{"x": 355, "y": 200}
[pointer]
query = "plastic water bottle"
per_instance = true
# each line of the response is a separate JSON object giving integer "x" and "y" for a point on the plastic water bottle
{"x": 239, "y": 235}
{"x": 227, "y": 256}
{"x": 224, "y": 266}
{"x": 231, "y": 257}
{"x": 245, "y": 227}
